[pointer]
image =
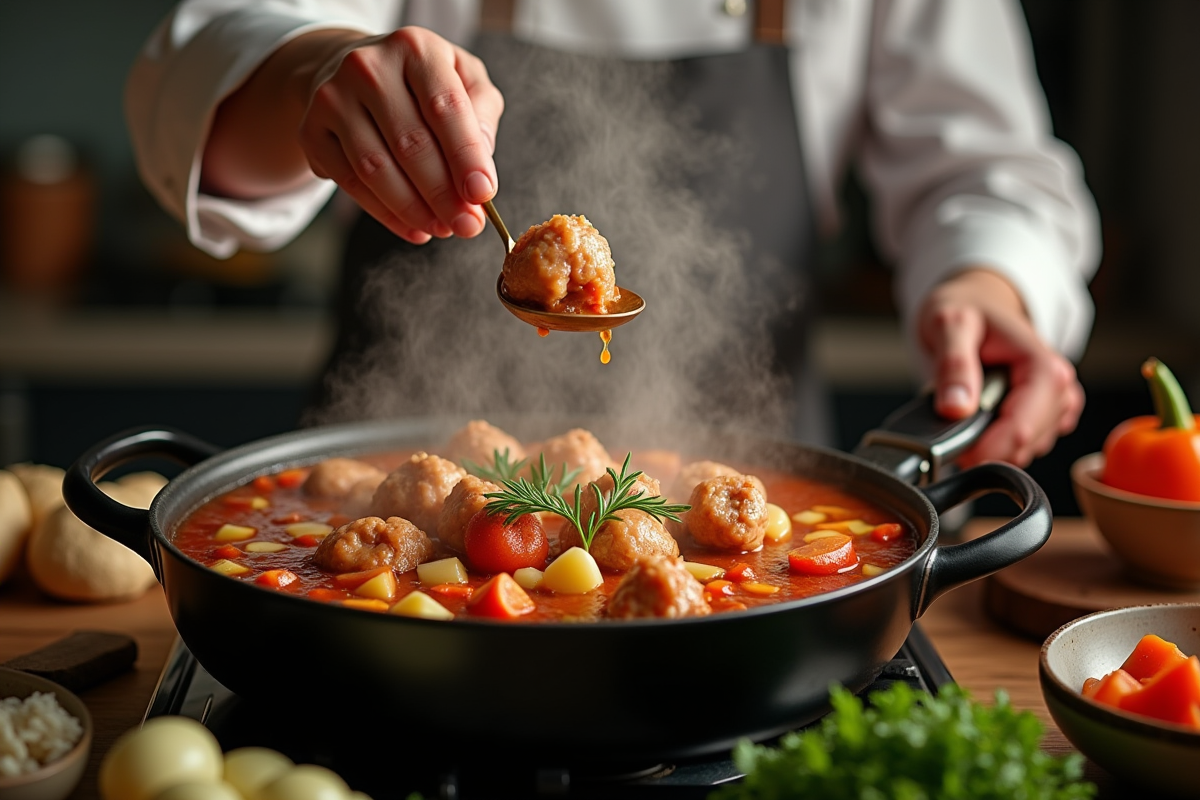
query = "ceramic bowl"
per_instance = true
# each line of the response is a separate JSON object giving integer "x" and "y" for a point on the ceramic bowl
{"x": 59, "y": 778}
{"x": 1145, "y": 753}
{"x": 1157, "y": 540}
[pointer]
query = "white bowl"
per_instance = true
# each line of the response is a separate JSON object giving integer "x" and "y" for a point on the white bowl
{"x": 56, "y": 780}
{"x": 1146, "y": 753}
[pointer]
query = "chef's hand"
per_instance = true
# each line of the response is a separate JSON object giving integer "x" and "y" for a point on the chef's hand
{"x": 405, "y": 123}
{"x": 977, "y": 318}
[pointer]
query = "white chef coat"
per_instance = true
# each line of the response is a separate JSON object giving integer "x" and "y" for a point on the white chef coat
{"x": 937, "y": 100}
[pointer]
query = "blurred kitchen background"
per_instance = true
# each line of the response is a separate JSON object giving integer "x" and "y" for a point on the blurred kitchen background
{"x": 110, "y": 319}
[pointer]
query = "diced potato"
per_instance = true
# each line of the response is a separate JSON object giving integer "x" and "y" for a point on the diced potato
{"x": 419, "y": 604}
{"x": 259, "y": 503}
{"x": 760, "y": 589}
{"x": 779, "y": 524}
{"x": 870, "y": 570}
{"x": 366, "y": 604}
{"x": 227, "y": 567}
{"x": 812, "y": 537}
{"x": 528, "y": 578}
{"x": 574, "y": 572}
{"x": 234, "y": 533}
{"x": 856, "y": 526}
{"x": 444, "y": 570}
{"x": 381, "y": 587}
{"x": 703, "y": 572}
{"x": 833, "y": 511}
{"x": 308, "y": 529}
{"x": 809, "y": 517}
{"x": 266, "y": 547}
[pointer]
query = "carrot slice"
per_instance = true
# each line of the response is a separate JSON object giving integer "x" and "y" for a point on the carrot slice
{"x": 1172, "y": 696}
{"x": 352, "y": 580}
{"x": 718, "y": 588}
{"x": 307, "y": 540}
{"x": 321, "y": 593}
{"x": 263, "y": 483}
{"x": 1090, "y": 686}
{"x": 291, "y": 478}
{"x": 739, "y": 572}
{"x": 827, "y": 556}
{"x": 501, "y": 598}
{"x": 453, "y": 590}
{"x": 1151, "y": 656}
{"x": 887, "y": 532}
{"x": 276, "y": 578}
{"x": 1115, "y": 687}
{"x": 228, "y": 551}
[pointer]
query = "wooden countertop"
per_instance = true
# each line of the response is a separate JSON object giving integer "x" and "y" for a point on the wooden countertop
{"x": 980, "y": 655}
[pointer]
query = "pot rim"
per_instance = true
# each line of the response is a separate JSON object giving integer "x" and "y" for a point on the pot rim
{"x": 376, "y": 436}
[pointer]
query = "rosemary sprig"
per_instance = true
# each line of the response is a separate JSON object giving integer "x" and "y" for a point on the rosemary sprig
{"x": 523, "y": 497}
{"x": 503, "y": 469}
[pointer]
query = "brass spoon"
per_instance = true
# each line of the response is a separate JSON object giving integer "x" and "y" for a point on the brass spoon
{"x": 628, "y": 307}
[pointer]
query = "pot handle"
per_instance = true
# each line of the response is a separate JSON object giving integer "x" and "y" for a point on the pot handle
{"x": 950, "y": 566}
{"x": 914, "y": 443}
{"x": 126, "y": 525}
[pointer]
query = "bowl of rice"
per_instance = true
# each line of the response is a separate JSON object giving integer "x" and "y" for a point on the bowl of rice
{"x": 45, "y": 736}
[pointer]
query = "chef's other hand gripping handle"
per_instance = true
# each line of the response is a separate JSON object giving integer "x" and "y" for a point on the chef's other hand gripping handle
{"x": 129, "y": 526}
{"x": 949, "y": 566}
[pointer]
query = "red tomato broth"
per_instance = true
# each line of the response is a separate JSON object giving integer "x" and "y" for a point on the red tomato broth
{"x": 288, "y": 504}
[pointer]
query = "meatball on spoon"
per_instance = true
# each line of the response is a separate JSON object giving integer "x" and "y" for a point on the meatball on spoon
{"x": 627, "y": 306}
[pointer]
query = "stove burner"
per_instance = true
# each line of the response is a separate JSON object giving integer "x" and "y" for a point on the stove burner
{"x": 187, "y": 689}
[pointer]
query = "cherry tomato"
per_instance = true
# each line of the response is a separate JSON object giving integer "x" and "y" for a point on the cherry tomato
{"x": 493, "y": 546}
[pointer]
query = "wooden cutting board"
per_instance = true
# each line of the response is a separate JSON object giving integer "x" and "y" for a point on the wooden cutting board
{"x": 1072, "y": 575}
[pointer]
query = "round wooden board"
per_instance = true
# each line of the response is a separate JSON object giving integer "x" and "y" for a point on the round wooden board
{"x": 1073, "y": 574}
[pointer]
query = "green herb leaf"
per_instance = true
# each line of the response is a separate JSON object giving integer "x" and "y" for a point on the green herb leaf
{"x": 501, "y": 470}
{"x": 524, "y": 497}
{"x": 913, "y": 746}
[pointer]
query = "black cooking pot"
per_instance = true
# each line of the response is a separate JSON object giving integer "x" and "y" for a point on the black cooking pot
{"x": 570, "y": 692}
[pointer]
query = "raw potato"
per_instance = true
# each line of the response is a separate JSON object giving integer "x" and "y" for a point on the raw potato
{"x": 248, "y": 769}
{"x": 200, "y": 790}
{"x": 16, "y": 521}
{"x": 164, "y": 751}
{"x": 306, "y": 782}
{"x": 43, "y": 484}
{"x": 71, "y": 561}
{"x": 574, "y": 572}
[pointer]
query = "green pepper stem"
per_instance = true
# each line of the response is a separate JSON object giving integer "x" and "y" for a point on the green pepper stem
{"x": 1170, "y": 403}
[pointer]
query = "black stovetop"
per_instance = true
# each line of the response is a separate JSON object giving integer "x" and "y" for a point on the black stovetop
{"x": 388, "y": 770}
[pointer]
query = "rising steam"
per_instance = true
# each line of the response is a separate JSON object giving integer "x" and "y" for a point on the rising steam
{"x": 600, "y": 138}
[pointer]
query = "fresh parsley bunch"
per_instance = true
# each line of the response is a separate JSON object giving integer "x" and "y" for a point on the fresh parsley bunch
{"x": 910, "y": 745}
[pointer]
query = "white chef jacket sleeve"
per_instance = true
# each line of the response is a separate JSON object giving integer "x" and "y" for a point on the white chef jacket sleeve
{"x": 196, "y": 57}
{"x": 963, "y": 167}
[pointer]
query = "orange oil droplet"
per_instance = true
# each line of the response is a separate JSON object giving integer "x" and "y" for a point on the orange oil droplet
{"x": 543, "y": 331}
{"x": 605, "y": 356}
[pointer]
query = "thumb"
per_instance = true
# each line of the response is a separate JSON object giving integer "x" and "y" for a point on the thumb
{"x": 953, "y": 337}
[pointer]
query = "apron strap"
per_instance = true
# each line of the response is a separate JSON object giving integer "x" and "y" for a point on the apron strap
{"x": 495, "y": 16}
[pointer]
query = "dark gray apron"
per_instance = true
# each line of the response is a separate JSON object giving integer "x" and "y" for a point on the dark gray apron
{"x": 692, "y": 170}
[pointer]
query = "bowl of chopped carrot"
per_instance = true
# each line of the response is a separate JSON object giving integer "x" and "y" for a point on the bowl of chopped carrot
{"x": 1123, "y": 686}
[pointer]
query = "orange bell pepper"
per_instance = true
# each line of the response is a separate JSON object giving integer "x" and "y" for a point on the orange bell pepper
{"x": 1158, "y": 456}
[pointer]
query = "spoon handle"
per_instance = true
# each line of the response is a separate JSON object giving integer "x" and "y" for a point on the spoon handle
{"x": 494, "y": 216}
